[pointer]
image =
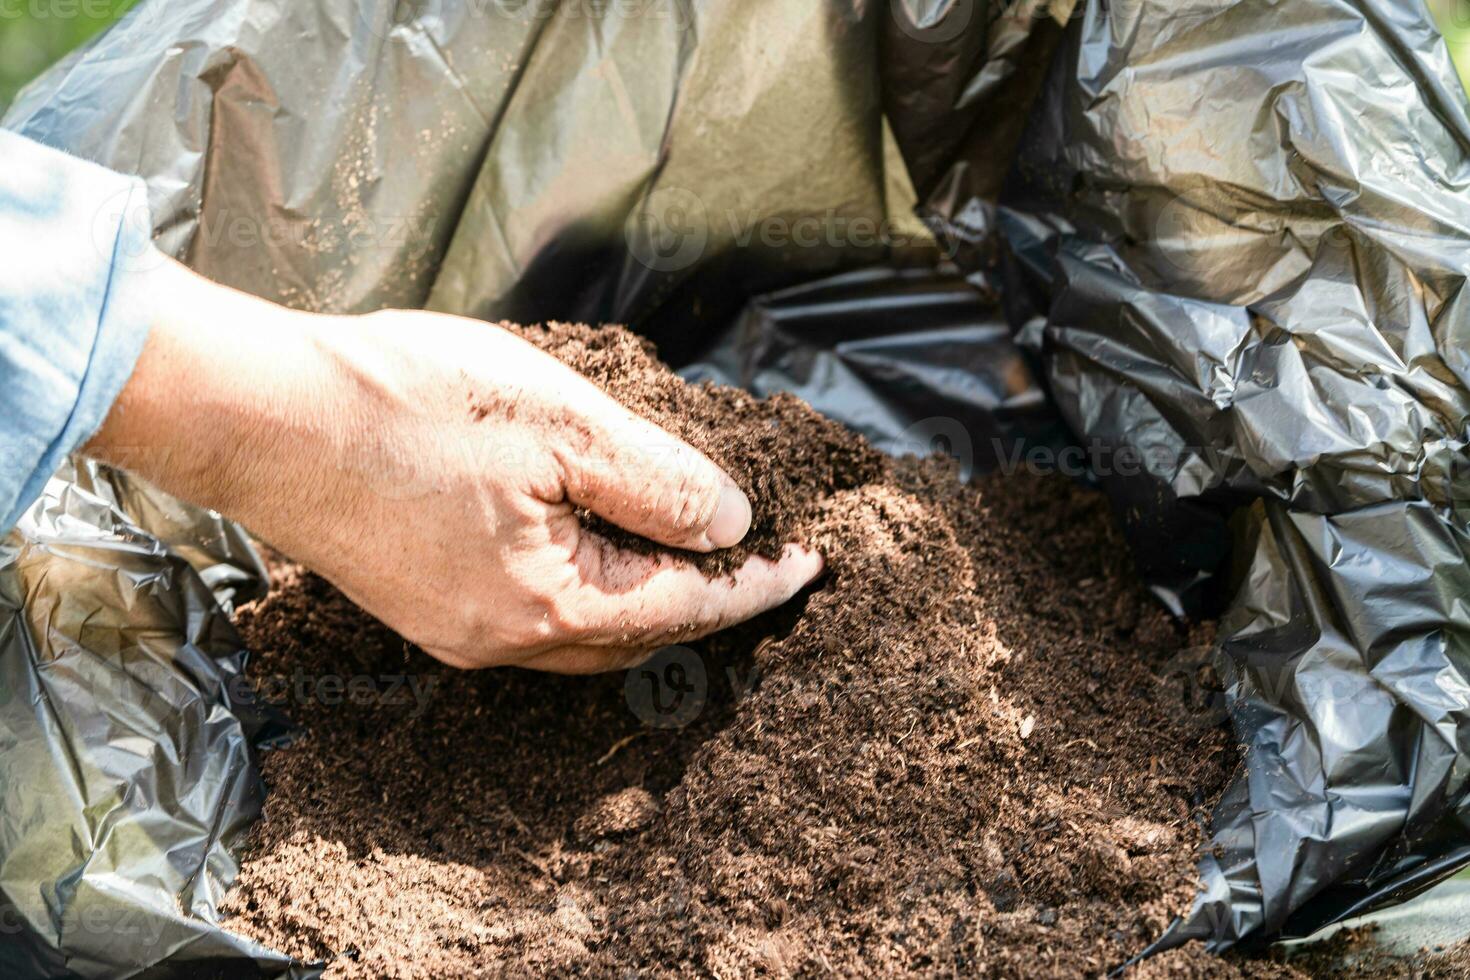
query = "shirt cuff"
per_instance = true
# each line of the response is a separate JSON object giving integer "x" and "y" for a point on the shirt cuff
{"x": 75, "y": 299}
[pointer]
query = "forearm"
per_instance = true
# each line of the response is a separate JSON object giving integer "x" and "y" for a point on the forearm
{"x": 229, "y": 393}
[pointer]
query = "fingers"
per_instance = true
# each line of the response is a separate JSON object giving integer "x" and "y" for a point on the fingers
{"x": 641, "y": 478}
{"x": 618, "y": 607}
{"x": 627, "y": 605}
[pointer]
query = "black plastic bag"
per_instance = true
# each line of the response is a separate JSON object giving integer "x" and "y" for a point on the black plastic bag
{"x": 1238, "y": 236}
{"x": 1233, "y": 234}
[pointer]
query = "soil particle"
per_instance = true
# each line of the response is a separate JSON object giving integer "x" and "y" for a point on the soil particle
{"x": 952, "y": 757}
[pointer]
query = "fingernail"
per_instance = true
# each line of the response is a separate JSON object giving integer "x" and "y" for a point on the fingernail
{"x": 732, "y": 519}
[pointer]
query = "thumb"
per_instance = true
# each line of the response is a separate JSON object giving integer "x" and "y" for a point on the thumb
{"x": 641, "y": 478}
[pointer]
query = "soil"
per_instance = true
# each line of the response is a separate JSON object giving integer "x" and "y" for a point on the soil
{"x": 961, "y": 753}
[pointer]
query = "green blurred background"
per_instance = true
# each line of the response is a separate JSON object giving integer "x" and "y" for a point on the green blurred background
{"x": 1454, "y": 22}
{"x": 34, "y": 33}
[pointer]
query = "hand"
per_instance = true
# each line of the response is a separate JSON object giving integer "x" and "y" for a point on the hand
{"x": 429, "y": 467}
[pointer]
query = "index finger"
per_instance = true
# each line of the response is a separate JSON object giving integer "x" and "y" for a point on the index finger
{"x": 627, "y": 600}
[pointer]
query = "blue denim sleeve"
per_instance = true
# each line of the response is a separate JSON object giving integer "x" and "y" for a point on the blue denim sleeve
{"x": 76, "y": 251}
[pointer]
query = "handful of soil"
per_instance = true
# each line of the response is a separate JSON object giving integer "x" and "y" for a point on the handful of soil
{"x": 789, "y": 460}
{"x": 956, "y": 756}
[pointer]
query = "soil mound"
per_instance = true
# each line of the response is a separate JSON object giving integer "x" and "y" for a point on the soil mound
{"x": 956, "y": 755}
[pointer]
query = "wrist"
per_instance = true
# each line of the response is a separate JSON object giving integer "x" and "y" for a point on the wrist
{"x": 222, "y": 398}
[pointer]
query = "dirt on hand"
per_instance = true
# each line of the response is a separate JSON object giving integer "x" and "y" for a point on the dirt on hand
{"x": 961, "y": 753}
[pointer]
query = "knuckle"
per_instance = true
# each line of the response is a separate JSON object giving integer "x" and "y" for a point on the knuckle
{"x": 552, "y": 618}
{"x": 696, "y": 500}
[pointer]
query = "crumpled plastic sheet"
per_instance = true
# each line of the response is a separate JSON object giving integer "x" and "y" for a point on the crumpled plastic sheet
{"x": 952, "y": 381}
{"x": 1238, "y": 235}
{"x": 1233, "y": 233}
{"x": 126, "y": 736}
{"x": 507, "y": 159}
{"x": 220, "y": 551}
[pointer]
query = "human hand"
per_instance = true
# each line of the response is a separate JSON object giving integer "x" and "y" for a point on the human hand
{"x": 429, "y": 467}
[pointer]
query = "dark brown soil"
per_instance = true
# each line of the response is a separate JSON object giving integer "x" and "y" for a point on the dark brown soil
{"x": 955, "y": 756}
{"x": 1357, "y": 954}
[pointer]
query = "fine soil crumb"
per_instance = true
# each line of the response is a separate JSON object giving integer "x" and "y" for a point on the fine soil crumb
{"x": 962, "y": 754}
